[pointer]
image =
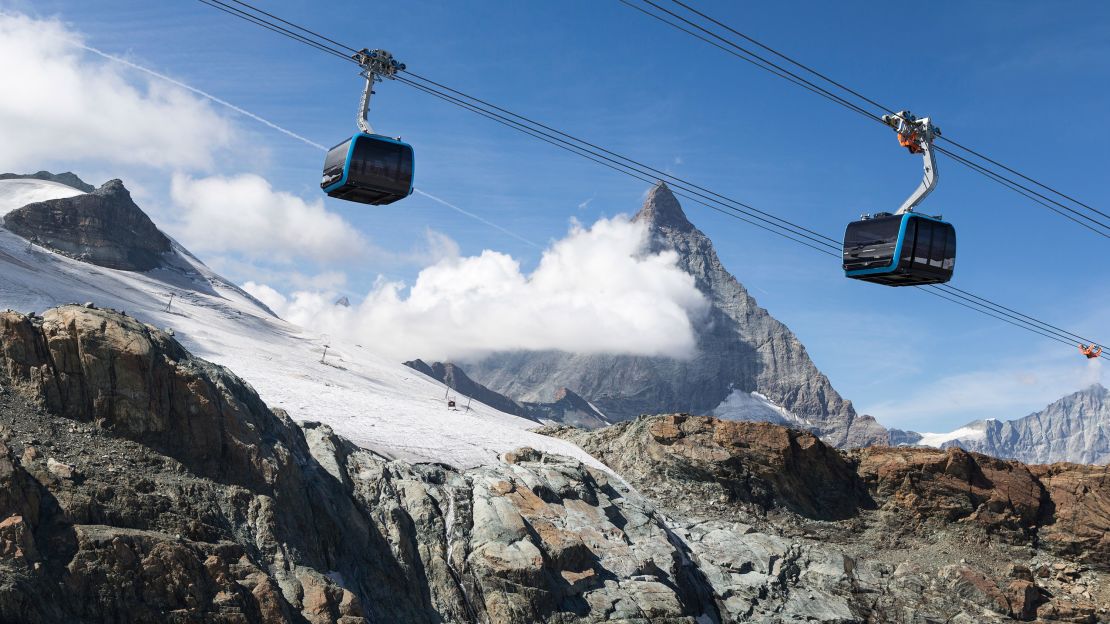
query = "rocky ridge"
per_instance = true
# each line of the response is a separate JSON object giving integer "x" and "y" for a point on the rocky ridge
{"x": 741, "y": 348}
{"x": 68, "y": 178}
{"x": 103, "y": 227}
{"x": 566, "y": 407}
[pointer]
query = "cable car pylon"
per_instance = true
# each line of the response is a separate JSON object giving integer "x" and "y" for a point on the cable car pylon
{"x": 370, "y": 168}
{"x": 905, "y": 248}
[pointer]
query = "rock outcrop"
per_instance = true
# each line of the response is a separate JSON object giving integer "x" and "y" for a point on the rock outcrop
{"x": 103, "y": 227}
{"x": 741, "y": 348}
{"x": 68, "y": 178}
{"x": 786, "y": 528}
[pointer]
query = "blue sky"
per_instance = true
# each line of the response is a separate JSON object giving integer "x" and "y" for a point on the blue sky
{"x": 1026, "y": 83}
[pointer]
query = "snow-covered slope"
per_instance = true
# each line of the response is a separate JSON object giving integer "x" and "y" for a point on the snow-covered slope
{"x": 18, "y": 193}
{"x": 971, "y": 432}
{"x": 379, "y": 404}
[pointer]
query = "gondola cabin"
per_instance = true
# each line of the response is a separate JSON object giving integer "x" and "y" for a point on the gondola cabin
{"x": 369, "y": 169}
{"x": 909, "y": 249}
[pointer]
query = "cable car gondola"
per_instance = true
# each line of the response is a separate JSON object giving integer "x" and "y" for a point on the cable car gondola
{"x": 905, "y": 248}
{"x": 370, "y": 168}
{"x": 910, "y": 249}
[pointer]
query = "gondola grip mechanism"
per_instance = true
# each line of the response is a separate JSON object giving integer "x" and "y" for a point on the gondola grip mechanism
{"x": 917, "y": 136}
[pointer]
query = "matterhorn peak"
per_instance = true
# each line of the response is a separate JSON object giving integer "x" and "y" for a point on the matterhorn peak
{"x": 661, "y": 209}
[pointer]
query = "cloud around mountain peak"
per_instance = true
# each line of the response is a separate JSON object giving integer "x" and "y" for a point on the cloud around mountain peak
{"x": 597, "y": 290}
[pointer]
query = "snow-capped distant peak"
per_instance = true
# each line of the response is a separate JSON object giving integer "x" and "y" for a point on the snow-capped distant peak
{"x": 974, "y": 431}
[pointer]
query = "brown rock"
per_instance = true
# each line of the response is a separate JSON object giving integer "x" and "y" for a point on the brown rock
{"x": 17, "y": 540}
{"x": 1023, "y": 597}
{"x": 1081, "y": 612}
{"x": 580, "y": 581}
{"x": 946, "y": 486}
{"x": 753, "y": 461}
{"x": 1079, "y": 525}
{"x": 976, "y": 587}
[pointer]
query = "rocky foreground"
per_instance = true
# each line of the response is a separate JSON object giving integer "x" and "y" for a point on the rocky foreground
{"x": 141, "y": 484}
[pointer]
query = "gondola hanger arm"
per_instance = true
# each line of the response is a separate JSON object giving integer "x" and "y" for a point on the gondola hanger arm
{"x": 917, "y": 136}
{"x": 376, "y": 65}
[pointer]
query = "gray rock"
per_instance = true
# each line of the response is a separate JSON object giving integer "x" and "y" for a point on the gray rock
{"x": 104, "y": 227}
{"x": 213, "y": 507}
{"x": 198, "y": 503}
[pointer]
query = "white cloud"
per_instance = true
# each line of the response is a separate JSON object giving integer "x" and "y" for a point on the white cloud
{"x": 595, "y": 291}
{"x": 245, "y": 215}
{"x": 60, "y": 102}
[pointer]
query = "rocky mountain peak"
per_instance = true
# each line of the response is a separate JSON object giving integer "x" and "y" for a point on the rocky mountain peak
{"x": 662, "y": 210}
{"x": 104, "y": 227}
{"x": 1095, "y": 389}
{"x": 741, "y": 347}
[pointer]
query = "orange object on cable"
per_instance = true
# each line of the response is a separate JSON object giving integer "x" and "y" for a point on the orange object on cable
{"x": 1092, "y": 351}
{"x": 909, "y": 141}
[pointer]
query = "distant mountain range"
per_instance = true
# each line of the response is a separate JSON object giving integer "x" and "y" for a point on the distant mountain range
{"x": 1075, "y": 428}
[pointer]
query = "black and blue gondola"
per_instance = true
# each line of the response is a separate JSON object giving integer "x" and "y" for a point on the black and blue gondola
{"x": 369, "y": 169}
{"x": 909, "y": 249}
